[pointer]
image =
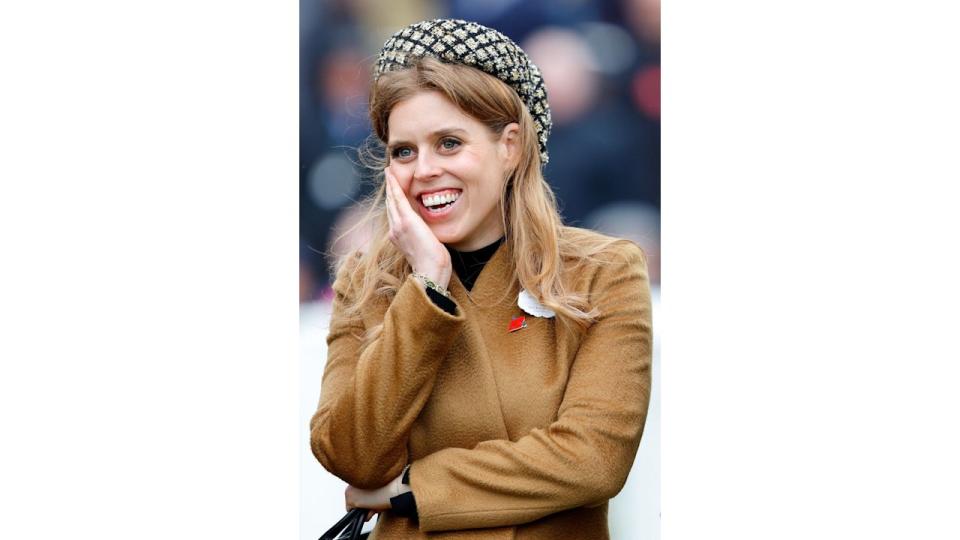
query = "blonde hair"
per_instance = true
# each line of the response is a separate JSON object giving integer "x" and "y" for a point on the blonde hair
{"x": 529, "y": 214}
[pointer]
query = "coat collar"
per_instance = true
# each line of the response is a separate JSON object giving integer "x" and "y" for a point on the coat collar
{"x": 495, "y": 284}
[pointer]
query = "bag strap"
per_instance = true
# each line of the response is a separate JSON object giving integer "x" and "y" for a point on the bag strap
{"x": 358, "y": 525}
{"x": 351, "y": 524}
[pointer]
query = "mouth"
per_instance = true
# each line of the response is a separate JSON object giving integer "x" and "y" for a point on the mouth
{"x": 434, "y": 207}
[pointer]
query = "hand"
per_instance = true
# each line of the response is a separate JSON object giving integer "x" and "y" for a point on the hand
{"x": 374, "y": 500}
{"x": 371, "y": 499}
{"x": 413, "y": 237}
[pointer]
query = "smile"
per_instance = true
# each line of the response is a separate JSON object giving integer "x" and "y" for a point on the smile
{"x": 439, "y": 198}
{"x": 435, "y": 207}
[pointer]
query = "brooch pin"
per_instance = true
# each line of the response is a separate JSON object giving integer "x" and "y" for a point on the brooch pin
{"x": 528, "y": 303}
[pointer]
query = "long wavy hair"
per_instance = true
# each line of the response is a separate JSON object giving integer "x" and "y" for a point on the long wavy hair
{"x": 545, "y": 252}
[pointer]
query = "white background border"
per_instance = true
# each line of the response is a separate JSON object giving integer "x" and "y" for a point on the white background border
{"x": 148, "y": 314}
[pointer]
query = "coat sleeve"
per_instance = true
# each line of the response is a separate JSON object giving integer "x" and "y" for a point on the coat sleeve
{"x": 581, "y": 459}
{"x": 370, "y": 399}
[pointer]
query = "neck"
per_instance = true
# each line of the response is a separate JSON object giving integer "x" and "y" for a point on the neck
{"x": 460, "y": 249}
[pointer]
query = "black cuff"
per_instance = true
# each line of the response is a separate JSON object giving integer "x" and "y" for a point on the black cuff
{"x": 404, "y": 505}
{"x": 442, "y": 302}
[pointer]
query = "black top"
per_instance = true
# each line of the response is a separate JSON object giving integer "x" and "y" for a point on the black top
{"x": 467, "y": 265}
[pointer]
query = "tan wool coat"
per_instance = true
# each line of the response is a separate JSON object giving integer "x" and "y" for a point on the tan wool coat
{"x": 510, "y": 435}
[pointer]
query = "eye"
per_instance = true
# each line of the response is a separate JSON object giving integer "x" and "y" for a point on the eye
{"x": 449, "y": 143}
{"x": 402, "y": 152}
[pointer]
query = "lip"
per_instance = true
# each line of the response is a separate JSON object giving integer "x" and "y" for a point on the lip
{"x": 436, "y": 217}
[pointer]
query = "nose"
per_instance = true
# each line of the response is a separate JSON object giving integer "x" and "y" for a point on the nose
{"x": 427, "y": 167}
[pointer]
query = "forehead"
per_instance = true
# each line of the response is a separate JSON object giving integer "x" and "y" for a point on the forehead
{"x": 426, "y": 112}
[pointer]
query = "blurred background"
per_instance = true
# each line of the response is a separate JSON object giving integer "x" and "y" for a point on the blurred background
{"x": 601, "y": 64}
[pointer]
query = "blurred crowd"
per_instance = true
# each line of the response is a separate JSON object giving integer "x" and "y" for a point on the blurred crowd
{"x": 601, "y": 64}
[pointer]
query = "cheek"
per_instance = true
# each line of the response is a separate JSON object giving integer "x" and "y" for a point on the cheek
{"x": 469, "y": 166}
{"x": 473, "y": 156}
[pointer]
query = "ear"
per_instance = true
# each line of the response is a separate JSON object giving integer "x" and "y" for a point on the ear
{"x": 509, "y": 144}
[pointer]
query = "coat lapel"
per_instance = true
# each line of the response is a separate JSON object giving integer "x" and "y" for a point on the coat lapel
{"x": 495, "y": 283}
{"x": 491, "y": 300}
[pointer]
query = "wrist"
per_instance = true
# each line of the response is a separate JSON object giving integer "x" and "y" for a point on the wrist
{"x": 399, "y": 487}
{"x": 438, "y": 268}
{"x": 431, "y": 283}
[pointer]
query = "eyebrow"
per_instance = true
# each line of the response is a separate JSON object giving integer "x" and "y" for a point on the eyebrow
{"x": 434, "y": 135}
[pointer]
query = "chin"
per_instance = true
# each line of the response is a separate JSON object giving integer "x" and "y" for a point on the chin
{"x": 444, "y": 236}
{"x": 447, "y": 239}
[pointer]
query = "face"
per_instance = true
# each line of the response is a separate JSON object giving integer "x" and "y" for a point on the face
{"x": 438, "y": 153}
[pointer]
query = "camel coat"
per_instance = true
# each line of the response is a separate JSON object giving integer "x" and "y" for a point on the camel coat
{"x": 510, "y": 435}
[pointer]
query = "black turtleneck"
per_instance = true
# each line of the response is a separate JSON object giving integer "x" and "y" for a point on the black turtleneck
{"x": 467, "y": 265}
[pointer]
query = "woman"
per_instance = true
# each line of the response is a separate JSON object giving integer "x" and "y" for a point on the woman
{"x": 488, "y": 369}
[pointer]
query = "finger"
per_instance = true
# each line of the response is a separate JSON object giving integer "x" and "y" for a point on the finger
{"x": 370, "y": 514}
{"x": 400, "y": 199}
{"x": 393, "y": 217}
{"x": 386, "y": 199}
{"x": 348, "y": 498}
{"x": 392, "y": 212}
{"x": 403, "y": 211}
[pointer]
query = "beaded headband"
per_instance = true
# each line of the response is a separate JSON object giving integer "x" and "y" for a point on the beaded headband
{"x": 461, "y": 42}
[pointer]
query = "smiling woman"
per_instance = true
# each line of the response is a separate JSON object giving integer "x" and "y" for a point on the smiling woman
{"x": 438, "y": 151}
{"x": 488, "y": 367}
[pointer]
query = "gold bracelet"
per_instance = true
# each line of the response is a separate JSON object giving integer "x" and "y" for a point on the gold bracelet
{"x": 432, "y": 284}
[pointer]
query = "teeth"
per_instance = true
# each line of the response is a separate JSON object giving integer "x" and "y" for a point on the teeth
{"x": 433, "y": 200}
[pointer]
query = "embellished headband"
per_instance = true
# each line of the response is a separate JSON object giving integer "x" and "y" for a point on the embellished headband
{"x": 462, "y": 42}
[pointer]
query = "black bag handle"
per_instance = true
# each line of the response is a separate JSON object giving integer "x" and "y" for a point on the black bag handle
{"x": 358, "y": 525}
{"x": 350, "y": 525}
